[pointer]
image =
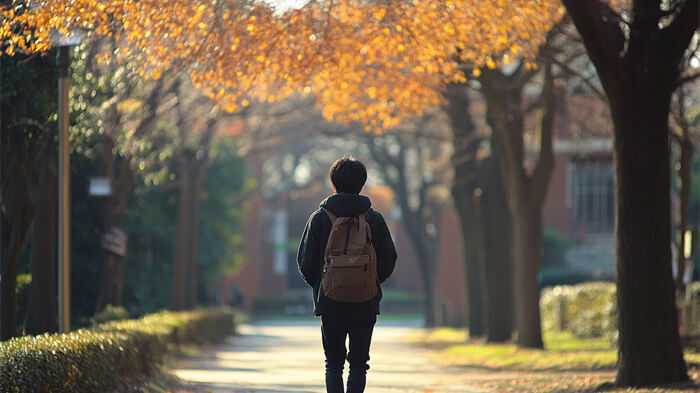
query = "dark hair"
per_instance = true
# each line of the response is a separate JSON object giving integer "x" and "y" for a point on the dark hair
{"x": 348, "y": 174}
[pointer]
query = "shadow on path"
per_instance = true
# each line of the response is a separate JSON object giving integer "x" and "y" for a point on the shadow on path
{"x": 278, "y": 357}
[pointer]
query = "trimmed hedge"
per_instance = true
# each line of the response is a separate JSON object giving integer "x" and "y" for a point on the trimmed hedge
{"x": 587, "y": 310}
{"x": 108, "y": 357}
{"x": 590, "y": 309}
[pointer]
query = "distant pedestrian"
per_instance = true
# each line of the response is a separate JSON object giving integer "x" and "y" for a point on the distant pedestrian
{"x": 346, "y": 251}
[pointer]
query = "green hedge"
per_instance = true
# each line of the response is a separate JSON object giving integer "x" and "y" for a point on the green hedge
{"x": 108, "y": 357}
{"x": 587, "y": 310}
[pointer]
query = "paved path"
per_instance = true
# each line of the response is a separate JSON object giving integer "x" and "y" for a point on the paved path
{"x": 287, "y": 357}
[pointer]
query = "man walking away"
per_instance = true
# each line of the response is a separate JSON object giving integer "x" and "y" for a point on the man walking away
{"x": 346, "y": 251}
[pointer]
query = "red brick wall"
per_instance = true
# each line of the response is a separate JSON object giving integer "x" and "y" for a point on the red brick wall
{"x": 555, "y": 212}
{"x": 450, "y": 268}
{"x": 407, "y": 274}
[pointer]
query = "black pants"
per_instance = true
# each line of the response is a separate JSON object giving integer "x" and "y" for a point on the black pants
{"x": 334, "y": 329}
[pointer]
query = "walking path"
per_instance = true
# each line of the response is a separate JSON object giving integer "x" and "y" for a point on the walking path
{"x": 281, "y": 357}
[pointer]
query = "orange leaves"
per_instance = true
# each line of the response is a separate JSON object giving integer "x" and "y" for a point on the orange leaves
{"x": 368, "y": 62}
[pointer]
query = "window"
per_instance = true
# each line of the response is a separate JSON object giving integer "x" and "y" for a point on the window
{"x": 590, "y": 193}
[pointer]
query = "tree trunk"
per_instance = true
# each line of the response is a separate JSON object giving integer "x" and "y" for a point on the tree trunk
{"x": 525, "y": 192}
{"x": 527, "y": 246}
{"x": 466, "y": 180}
{"x": 638, "y": 72}
{"x": 427, "y": 268}
{"x": 17, "y": 214}
{"x": 42, "y": 311}
{"x": 113, "y": 214}
{"x": 684, "y": 188}
{"x": 179, "y": 292}
{"x": 430, "y": 299}
{"x": 199, "y": 171}
{"x": 649, "y": 344}
{"x": 496, "y": 227}
{"x": 470, "y": 222}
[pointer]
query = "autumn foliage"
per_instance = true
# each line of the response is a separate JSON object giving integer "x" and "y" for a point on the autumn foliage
{"x": 368, "y": 62}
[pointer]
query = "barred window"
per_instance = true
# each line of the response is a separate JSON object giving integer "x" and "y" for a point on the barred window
{"x": 590, "y": 193}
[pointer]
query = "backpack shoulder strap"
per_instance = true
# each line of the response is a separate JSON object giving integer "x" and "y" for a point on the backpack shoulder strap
{"x": 330, "y": 215}
{"x": 365, "y": 223}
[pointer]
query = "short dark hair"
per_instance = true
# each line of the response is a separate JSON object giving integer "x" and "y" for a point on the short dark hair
{"x": 348, "y": 174}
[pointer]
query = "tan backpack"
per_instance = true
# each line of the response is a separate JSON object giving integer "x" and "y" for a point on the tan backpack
{"x": 350, "y": 262}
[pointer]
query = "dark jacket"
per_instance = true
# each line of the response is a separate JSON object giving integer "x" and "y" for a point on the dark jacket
{"x": 313, "y": 246}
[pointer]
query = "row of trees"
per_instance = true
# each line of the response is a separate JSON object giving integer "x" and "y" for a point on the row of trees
{"x": 168, "y": 167}
{"x": 337, "y": 51}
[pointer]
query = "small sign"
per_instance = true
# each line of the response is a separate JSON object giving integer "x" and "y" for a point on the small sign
{"x": 115, "y": 241}
{"x": 100, "y": 186}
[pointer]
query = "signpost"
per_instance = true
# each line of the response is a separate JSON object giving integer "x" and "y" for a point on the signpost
{"x": 65, "y": 46}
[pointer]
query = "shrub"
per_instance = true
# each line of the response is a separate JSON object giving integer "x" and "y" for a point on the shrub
{"x": 692, "y": 312}
{"x": 110, "y": 313}
{"x": 587, "y": 310}
{"x": 108, "y": 357}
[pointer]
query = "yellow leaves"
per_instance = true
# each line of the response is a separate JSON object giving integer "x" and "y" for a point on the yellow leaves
{"x": 379, "y": 14}
{"x": 371, "y": 62}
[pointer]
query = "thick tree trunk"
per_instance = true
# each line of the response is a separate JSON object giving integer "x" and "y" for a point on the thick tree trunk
{"x": 638, "y": 72}
{"x": 649, "y": 344}
{"x": 466, "y": 180}
{"x": 498, "y": 253}
{"x": 527, "y": 246}
{"x": 42, "y": 310}
{"x": 525, "y": 192}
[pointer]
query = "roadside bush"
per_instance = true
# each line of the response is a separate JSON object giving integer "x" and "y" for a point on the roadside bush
{"x": 110, "y": 313}
{"x": 692, "y": 312}
{"x": 108, "y": 357}
{"x": 587, "y": 310}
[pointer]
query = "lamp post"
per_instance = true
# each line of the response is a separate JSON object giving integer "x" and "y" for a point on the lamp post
{"x": 65, "y": 46}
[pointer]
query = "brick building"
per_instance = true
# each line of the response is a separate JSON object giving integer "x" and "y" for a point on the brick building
{"x": 579, "y": 205}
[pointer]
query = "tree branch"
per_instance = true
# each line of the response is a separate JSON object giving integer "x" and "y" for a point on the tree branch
{"x": 676, "y": 37}
{"x": 598, "y": 36}
{"x": 567, "y": 69}
{"x": 545, "y": 162}
{"x": 687, "y": 78}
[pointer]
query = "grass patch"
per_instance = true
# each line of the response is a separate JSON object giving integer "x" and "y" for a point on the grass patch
{"x": 564, "y": 352}
{"x": 510, "y": 357}
{"x": 438, "y": 337}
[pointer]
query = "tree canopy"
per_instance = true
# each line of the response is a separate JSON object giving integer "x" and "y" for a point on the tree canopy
{"x": 367, "y": 62}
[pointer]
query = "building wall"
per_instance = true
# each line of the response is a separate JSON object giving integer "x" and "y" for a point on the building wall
{"x": 555, "y": 212}
{"x": 451, "y": 277}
